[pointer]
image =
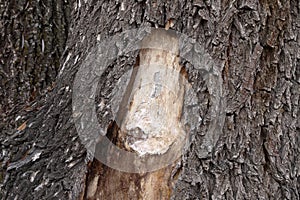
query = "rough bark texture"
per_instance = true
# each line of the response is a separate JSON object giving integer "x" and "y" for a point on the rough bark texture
{"x": 258, "y": 153}
{"x": 32, "y": 39}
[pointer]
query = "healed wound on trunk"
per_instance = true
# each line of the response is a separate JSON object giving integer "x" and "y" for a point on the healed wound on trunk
{"x": 151, "y": 122}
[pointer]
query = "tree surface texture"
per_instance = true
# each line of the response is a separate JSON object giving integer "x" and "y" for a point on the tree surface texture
{"x": 257, "y": 47}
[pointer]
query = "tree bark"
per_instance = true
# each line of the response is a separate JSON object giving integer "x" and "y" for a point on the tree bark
{"x": 256, "y": 156}
{"x": 33, "y": 37}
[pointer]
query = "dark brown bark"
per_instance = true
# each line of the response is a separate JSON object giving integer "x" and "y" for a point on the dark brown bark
{"x": 32, "y": 39}
{"x": 257, "y": 155}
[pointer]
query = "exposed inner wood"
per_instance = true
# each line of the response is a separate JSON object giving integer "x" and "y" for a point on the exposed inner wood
{"x": 152, "y": 122}
{"x": 149, "y": 124}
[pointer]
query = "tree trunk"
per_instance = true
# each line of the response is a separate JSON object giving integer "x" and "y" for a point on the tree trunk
{"x": 256, "y": 155}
